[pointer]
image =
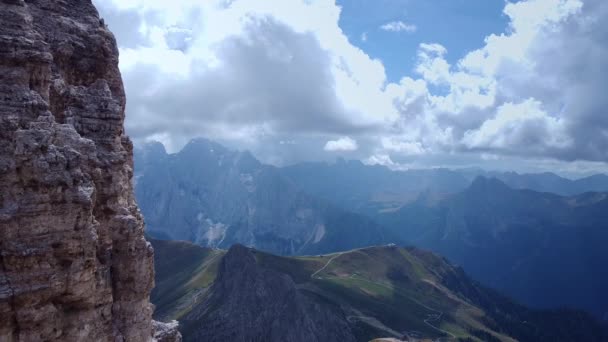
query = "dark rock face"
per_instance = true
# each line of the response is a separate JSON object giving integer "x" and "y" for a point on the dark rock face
{"x": 74, "y": 264}
{"x": 251, "y": 303}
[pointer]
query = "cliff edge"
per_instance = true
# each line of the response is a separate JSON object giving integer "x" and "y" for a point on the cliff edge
{"x": 74, "y": 264}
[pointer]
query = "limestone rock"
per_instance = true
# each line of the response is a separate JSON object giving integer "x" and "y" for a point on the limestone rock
{"x": 166, "y": 332}
{"x": 74, "y": 264}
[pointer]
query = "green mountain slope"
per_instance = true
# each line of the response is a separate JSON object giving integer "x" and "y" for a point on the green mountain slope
{"x": 183, "y": 272}
{"x": 542, "y": 249}
{"x": 370, "y": 293}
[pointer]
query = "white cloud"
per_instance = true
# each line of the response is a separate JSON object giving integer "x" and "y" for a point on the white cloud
{"x": 403, "y": 147}
{"x": 517, "y": 126}
{"x": 191, "y": 44}
{"x": 342, "y": 144}
{"x": 514, "y": 96}
{"x": 259, "y": 72}
{"x": 399, "y": 26}
{"x": 381, "y": 159}
{"x": 431, "y": 63}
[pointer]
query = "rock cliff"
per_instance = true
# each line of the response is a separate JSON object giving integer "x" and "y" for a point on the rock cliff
{"x": 74, "y": 264}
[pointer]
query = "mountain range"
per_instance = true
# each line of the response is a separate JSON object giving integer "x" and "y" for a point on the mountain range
{"x": 216, "y": 197}
{"x": 370, "y": 189}
{"x": 543, "y": 249}
{"x": 546, "y": 250}
{"x": 357, "y": 295}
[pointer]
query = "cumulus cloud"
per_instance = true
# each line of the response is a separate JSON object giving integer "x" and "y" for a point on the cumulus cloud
{"x": 516, "y": 126}
{"x": 246, "y": 71}
{"x": 258, "y": 74}
{"x": 399, "y": 26}
{"x": 342, "y": 144}
{"x": 403, "y": 147}
{"x": 235, "y": 98}
{"x": 528, "y": 92}
{"x": 381, "y": 159}
{"x": 127, "y": 23}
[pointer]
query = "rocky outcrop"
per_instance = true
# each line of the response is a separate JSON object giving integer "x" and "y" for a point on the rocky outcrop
{"x": 166, "y": 332}
{"x": 74, "y": 264}
{"x": 248, "y": 302}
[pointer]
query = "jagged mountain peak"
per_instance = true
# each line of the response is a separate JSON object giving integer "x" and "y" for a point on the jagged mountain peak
{"x": 488, "y": 184}
{"x": 213, "y": 196}
{"x": 203, "y": 146}
{"x": 238, "y": 258}
{"x": 204, "y": 151}
{"x": 154, "y": 146}
{"x": 151, "y": 151}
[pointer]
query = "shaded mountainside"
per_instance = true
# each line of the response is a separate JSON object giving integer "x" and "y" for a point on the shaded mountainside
{"x": 248, "y": 302}
{"x": 359, "y": 295}
{"x": 543, "y": 249}
{"x": 183, "y": 272}
{"x": 215, "y": 197}
{"x": 550, "y": 182}
{"x": 370, "y": 189}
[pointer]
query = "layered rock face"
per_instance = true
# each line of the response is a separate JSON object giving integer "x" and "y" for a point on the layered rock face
{"x": 248, "y": 302}
{"x": 74, "y": 264}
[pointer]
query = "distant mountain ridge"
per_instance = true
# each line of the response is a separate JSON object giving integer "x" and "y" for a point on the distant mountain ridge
{"x": 370, "y": 189}
{"x": 544, "y": 249}
{"x": 215, "y": 197}
{"x": 357, "y": 295}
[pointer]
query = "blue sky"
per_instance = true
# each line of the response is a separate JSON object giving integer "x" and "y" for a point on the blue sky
{"x": 406, "y": 84}
{"x": 459, "y": 25}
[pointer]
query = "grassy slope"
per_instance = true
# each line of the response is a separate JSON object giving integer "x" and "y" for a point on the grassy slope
{"x": 385, "y": 292}
{"x": 183, "y": 272}
{"x": 401, "y": 291}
